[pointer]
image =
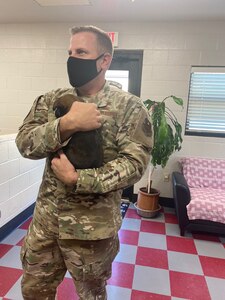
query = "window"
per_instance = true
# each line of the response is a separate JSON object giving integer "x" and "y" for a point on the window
{"x": 118, "y": 76}
{"x": 206, "y": 103}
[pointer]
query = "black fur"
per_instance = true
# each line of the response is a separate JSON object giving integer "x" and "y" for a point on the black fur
{"x": 84, "y": 149}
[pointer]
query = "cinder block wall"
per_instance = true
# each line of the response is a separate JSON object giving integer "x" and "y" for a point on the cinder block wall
{"x": 19, "y": 181}
{"x": 33, "y": 61}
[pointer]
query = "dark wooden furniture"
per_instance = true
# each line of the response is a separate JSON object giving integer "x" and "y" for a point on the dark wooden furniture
{"x": 181, "y": 195}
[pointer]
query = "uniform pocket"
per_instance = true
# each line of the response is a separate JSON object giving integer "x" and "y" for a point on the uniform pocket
{"x": 101, "y": 266}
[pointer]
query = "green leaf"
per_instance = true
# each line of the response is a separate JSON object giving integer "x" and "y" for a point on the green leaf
{"x": 178, "y": 101}
{"x": 149, "y": 103}
{"x": 167, "y": 130}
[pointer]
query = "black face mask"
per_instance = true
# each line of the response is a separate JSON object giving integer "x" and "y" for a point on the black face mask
{"x": 81, "y": 71}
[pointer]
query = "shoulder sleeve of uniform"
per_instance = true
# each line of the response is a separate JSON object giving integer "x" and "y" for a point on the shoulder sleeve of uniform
{"x": 136, "y": 125}
{"x": 141, "y": 129}
{"x": 38, "y": 135}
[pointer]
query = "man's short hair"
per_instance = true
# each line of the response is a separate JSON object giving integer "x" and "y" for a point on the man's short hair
{"x": 103, "y": 39}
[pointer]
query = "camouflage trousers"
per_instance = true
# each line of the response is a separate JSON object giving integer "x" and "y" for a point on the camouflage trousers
{"x": 45, "y": 261}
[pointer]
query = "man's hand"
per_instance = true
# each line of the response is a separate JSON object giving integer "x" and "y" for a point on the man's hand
{"x": 81, "y": 117}
{"x": 64, "y": 170}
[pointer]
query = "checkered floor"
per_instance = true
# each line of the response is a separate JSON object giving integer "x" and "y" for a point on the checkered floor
{"x": 154, "y": 263}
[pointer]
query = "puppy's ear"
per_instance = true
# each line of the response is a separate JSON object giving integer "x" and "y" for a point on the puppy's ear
{"x": 60, "y": 111}
{"x": 62, "y": 104}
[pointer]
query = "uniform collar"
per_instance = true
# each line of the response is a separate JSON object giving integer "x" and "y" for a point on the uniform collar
{"x": 100, "y": 99}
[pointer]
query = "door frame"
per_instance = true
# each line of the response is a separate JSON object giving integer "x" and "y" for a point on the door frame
{"x": 131, "y": 60}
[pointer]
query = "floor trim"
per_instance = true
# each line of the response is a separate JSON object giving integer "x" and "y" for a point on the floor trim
{"x": 15, "y": 222}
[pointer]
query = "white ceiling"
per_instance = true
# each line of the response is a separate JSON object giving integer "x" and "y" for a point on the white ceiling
{"x": 27, "y": 11}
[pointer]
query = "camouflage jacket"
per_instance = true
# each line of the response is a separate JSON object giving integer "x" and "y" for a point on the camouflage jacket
{"x": 92, "y": 210}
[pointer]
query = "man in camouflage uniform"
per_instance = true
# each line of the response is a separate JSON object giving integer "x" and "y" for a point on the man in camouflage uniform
{"x": 77, "y": 214}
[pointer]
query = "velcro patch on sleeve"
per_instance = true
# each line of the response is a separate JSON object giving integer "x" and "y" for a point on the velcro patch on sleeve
{"x": 142, "y": 132}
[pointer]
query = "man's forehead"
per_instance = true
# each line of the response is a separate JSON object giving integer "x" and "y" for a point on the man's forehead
{"x": 83, "y": 36}
{"x": 85, "y": 41}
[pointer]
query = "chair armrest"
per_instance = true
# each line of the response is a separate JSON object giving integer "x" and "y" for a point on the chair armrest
{"x": 182, "y": 197}
{"x": 181, "y": 190}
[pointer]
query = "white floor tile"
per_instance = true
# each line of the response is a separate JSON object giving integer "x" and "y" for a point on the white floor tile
{"x": 146, "y": 279}
{"x": 15, "y": 291}
{"x": 67, "y": 275}
{"x": 209, "y": 248}
{"x": 159, "y": 218}
{"x": 172, "y": 229}
{"x": 115, "y": 292}
{"x": 152, "y": 240}
{"x": 184, "y": 262}
{"x": 14, "y": 237}
{"x": 151, "y": 280}
{"x": 216, "y": 288}
{"x": 12, "y": 258}
{"x": 127, "y": 254}
{"x": 131, "y": 224}
{"x": 131, "y": 206}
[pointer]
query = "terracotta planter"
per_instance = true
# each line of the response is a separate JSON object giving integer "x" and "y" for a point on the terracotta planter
{"x": 147, "y": 213}
{"x": 148, "y": 201}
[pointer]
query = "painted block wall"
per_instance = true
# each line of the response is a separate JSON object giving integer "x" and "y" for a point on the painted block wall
{"x": 33, "y": 61}
{"x": 19, "y": 180}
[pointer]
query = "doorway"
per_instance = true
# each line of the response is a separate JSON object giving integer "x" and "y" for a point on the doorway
{"x": 126, "y": 68}
{"x": 131, "y": 61}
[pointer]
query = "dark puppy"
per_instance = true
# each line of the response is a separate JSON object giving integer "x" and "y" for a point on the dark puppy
{"x": 84, "y": 149}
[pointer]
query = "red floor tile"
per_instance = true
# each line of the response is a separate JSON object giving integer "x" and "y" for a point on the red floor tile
{"x": 4, "y": 249}
{"x": 139, "y": 295}
{"x": 8, "y": 277}
{"x": 153, "y": 227}
{"x": 188, "y": 286}
{"x": 128, "y": 237}
{"x": 132, "y": 213}
{"x": 26, "y": 224}
{"x": 122, "y": 275}
{"x": 214, "y": 267}
{"x": 20, "y": 243}
{"x": 183, "y": 285}
{"x": 181, "y": 244}
{"x": 171, "y": 218}
{"x": 149, "y": 257}
{"x": 66, "y": 290}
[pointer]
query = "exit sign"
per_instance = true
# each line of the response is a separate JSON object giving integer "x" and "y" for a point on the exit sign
{"x": 114, "y": 38}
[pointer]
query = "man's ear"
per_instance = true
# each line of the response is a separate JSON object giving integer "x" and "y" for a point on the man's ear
{"x": 106, "y": 61}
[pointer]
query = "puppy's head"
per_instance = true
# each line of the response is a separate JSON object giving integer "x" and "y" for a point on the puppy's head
{"x": 62, "y": 104}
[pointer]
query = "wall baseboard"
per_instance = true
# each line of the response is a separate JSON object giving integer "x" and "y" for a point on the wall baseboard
{"x": 167, "y": 202}
{"x": 15, "y": 222}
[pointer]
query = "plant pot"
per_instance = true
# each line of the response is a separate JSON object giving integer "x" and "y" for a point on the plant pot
{"x": 147, "y": 201}
{"x": 147, "y": 213}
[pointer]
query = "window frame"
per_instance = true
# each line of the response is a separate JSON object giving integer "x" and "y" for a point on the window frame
{"x": 200, "y": 132}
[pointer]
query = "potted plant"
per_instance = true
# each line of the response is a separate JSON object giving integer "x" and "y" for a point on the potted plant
{"x": 167, "y": 138}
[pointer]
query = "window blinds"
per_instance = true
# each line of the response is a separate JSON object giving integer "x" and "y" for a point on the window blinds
{"x": 206, "y": 104}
